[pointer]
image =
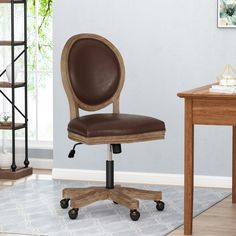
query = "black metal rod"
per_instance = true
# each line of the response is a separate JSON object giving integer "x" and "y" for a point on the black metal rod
{"x": 26, "y": 162}
{"x": 11, "y": 103}
{"x": 109, "y": 174}
{"x": 13, "y": 166}
{"x": 14, "y": 61}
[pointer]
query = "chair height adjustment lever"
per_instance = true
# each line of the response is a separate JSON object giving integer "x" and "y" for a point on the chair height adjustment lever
{"x": 116, "y": 148}
{"x": 72, "y": 151}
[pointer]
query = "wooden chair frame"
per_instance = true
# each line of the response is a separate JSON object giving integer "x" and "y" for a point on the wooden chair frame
{"x": 75, "y": 103}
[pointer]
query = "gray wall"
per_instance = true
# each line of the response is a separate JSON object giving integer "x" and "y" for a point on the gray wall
{"x": 168, "y": 46}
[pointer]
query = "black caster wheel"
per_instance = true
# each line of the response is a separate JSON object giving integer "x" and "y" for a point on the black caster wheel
{"x": 64, "y": 203}
{"x": 73, "y": 213}
{"x": 134, "y": 215}
{"x": 115, "y": 202}
{"x": 160, "y": 205}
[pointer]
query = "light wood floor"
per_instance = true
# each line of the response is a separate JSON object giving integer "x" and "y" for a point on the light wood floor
{"x": 219, "y": 220}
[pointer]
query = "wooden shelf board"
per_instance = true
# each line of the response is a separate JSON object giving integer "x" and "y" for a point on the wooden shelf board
{"x": 9, "y": 127}
{"x": 13, "y": 175}
{"x": 9, "y": 1}
{"x": 8, "y": 85}
{"x": 9, "y": 43}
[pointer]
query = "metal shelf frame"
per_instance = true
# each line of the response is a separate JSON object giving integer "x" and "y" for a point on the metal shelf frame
{"x": 12, "y": 43}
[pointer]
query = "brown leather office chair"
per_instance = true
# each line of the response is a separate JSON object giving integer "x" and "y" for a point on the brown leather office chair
{"x": 93, "y": 75}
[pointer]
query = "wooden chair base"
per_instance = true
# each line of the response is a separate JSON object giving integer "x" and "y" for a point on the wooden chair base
{"x": 127, "y": 197}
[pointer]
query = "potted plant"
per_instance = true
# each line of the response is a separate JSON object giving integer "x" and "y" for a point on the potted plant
{"x": 5, "y": 119}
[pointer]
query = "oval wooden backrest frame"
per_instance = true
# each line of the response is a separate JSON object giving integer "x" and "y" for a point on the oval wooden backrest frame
{"x": 74, "y": 102}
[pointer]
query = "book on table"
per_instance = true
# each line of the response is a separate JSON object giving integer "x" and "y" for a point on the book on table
{"x": 222, "y": 89}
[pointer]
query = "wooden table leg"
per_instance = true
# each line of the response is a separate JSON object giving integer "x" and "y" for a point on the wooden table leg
{"x": 188, "y": 167}
{"x": 234, "y": 166}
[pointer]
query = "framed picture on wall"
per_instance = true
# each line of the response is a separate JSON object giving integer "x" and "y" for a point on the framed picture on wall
{"x": 226, "y": 13}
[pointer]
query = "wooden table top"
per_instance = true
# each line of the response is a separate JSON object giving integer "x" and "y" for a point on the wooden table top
{"x": 203, "y": 92}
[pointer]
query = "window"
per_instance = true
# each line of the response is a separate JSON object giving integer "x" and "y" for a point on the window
{"x": 40, "y": 70}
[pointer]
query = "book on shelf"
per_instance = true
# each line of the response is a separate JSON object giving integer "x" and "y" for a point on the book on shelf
{"x": 222, "y": 89}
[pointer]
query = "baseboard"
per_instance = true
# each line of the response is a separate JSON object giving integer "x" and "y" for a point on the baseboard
{"x": 143, "y": 178}
{"x": 40, "y": 163}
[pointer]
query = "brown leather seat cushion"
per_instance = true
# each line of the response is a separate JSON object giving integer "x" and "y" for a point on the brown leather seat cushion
{"x": 100, "y": 125}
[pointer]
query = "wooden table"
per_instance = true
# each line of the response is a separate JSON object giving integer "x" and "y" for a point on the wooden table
{"x": 204, "y": 107}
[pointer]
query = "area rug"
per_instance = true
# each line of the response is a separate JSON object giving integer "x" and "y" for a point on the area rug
{"x": 33, "y": 208}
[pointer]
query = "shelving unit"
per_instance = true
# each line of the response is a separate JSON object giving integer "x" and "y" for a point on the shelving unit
{"x": 16, "y": 172}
